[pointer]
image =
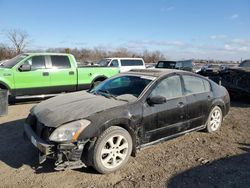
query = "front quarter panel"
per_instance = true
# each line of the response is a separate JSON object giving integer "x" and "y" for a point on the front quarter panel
{"x": 128, "y": 116}
{"x": 6, "y": 78}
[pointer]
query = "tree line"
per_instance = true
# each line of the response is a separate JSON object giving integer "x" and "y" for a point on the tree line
{"x": 19, "y": 39}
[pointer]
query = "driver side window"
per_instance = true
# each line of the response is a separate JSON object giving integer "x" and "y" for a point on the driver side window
{"x": 36, "y": 62}
{"x": 169, "y": 88}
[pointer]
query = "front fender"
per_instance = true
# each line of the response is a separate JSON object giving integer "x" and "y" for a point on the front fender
{"x": 6, "y": 79}
{"x": 94, "y": 131}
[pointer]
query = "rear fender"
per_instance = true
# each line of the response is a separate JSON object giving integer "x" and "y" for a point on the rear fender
{"x": 221, "y": 104}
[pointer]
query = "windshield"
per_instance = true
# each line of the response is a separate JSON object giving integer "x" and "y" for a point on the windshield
{"x": 166, "y": 64}
{"x": 12, "y": 62}
{"x": 123, "y": 85}
{"x": 103, "y": 62}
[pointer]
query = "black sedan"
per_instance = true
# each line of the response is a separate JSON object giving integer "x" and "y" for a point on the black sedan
{"x": 104, "y": 126}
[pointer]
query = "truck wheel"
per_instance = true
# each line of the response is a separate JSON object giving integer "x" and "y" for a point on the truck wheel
{"x": 214, "y": 119}
{"x": 12, "y": 100}
{"x": 112, "y": 150}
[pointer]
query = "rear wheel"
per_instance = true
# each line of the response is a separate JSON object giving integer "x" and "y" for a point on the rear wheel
{"x": 214, "y": 120}
{"x": 112, "y": 150}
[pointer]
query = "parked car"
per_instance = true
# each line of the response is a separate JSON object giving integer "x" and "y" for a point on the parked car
{"x": 150, "y": 65}
{"x": 103, "y": 127}
{"x": 124, "y": 64}
{"x": 245, "y": 64}
{"x": 211, "y": 69}
{"x": 2, "y": 61}
{"x": 181, "y": 65}
{"x": 237, "y": 79}
{"x": 43, "y": 74}
{"x": 224, "y": 67}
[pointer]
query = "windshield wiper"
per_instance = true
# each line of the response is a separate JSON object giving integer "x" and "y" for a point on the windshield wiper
{"x": 107, "y": 92}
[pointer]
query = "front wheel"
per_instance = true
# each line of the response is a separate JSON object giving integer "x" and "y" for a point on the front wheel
{"x": 214, "y": 119}
{"x": 112, "y": 150}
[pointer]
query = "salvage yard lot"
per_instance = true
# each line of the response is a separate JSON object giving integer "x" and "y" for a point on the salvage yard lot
{"x": 200, "y": 159}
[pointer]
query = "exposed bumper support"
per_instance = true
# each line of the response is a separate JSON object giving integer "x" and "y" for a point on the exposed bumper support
{"x": 43, "y": 146}
{"x": 67, "y": 156}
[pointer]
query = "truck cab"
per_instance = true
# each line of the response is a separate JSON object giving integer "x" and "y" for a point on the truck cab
{"x": 124, "y": 64}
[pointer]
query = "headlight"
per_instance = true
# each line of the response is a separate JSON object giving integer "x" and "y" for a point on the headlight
{"x": 70, "y": 131}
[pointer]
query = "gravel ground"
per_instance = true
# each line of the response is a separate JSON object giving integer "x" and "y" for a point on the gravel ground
{"x": 197, "y": 159}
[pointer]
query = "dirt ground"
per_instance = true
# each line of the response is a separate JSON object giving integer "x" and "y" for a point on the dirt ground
{"x": 197, "y": 159}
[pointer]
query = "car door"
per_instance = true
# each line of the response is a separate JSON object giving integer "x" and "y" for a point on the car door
{"x": 62, "y": 74}
{"x": 35, "y": 81}
{"x": 198, "y": 96}
{"x": 167, "y": 119}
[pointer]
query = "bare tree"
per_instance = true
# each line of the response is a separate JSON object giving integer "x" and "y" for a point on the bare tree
{"x": 19, "y": 39}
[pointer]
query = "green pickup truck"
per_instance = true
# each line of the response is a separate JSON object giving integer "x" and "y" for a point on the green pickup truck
{"x": 42, "y": 74}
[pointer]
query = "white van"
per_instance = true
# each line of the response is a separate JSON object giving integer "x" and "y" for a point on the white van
{"x": 124, "y": 64}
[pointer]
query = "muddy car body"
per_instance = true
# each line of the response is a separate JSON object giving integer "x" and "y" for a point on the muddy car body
{"x": 103, "y": 127}
{"x": 235, "y": 79}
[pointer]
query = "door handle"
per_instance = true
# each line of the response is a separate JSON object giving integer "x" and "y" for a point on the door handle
{"x": 181, "y": 104}
{"x": 209, "y": 97}
{"x": 45, "y": 73}
{"x": 71, "y": 72}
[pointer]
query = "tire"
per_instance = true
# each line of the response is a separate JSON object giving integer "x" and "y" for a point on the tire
{"x": 11, "y": 99}
{"x": 214, "y": 119}
{"x": 112, "y": 150}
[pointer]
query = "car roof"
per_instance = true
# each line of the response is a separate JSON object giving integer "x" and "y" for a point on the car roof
{"x": 154, "y": 72}
{"x": 45, "y": 53}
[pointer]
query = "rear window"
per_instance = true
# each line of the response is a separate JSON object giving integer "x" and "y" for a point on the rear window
{"x": 60, "y": 62}
{"x": 195, "y": 85}
{"x": 166, "y": 64}
{"x": 131, "y": 62}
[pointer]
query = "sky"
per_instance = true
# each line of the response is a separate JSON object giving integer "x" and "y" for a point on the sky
{"x": 181, "y": 29}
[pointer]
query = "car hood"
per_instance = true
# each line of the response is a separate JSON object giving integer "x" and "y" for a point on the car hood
{"x": 70, "y": 107}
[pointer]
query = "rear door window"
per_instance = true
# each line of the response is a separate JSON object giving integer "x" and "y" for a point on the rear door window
{"x": 130, "y": 62}
{"x": 60, "y": 62}
{"x": 195, "y": 84}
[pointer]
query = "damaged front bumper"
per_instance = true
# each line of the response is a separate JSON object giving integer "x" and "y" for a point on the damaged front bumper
{"x": 66, "y": 155}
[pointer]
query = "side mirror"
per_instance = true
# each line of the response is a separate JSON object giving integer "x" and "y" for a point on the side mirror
{"x": 157, "y": 100}
{"x": 25, "y": 67}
